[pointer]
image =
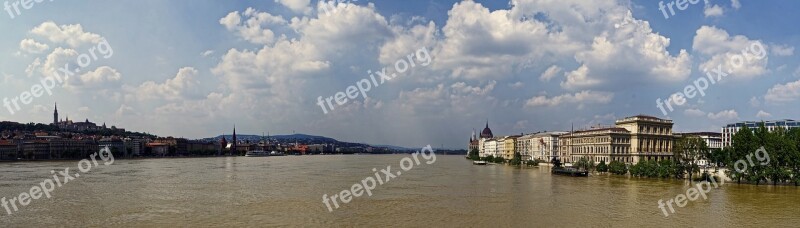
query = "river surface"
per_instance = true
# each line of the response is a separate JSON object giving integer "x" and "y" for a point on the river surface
{"x": 450, "y": 192}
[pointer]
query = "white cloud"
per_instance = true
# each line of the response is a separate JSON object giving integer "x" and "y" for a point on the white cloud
{"x": 694, "y": 112}
{"x": 763, "y": 114}
{"x": 256, "y": 27}
{"x": 72, "y": 35}
{"x": 736, "y": 4}
{"x": 754, "y": 102}
{"x": 31, "y": 46}
{"x": 185, "y": 85}
{"x": 583, "y": 97}
{"x": 713, "y": 10}
{"x": 781, "y": 50}
{"x": 721, "y": 47}
{"x": 298, "y": 6}
{"x": 102, "y": 78}
{"x": 207, "y": 53}
{"x": 550, "y": 73}
{"x": 724, "y": 115}
{"x": 516, "y": 85}
{"x": 782, "y": 93}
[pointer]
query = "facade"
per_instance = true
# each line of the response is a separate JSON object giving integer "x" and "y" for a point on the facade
{"x": 544, "y": 146}
{"x": 651, "y": 137}
{"x": 602, "y": 144}
{"x": 8, "y": 150}
{"x": 489, "y": 148}
{"x": 633, "y": 139}
{"x": 524, "y": 146}
{"x": 729, "y": 130}
{"x": 712, "y": 139}
{"x": 508, "y": 147}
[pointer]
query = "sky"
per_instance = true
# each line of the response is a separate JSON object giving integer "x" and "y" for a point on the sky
{"x": 196, "y": 68}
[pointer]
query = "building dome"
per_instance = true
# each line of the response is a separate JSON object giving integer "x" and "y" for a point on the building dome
{"x": 487, "y": 133}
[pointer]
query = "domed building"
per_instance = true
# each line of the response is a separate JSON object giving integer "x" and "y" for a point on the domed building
{"x": 487, "y": 133}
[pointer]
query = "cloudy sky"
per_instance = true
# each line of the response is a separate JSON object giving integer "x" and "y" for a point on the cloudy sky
{"x": 195, "y": 68}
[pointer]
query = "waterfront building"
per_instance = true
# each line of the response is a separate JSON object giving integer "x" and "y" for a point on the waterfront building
{"x": 485, "y": 136}
{"x": 631, "y": 140}
{"x": 524, "y": 146}
{"x": 114, "y": 144}
{"x": 729, "y": 130}
{"x": 8, "y": 150}
{"x": 508, "y": 147}
{"x": 712, "y": 139}
{"x": 36, "y": 149}
{"x": 544, "y": 146}
{"x": 489, "y": 147}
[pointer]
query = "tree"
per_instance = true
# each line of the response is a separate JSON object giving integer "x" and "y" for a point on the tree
{"x": 743, "y": 144}
{"x": 473, "y": 155}
{"x": 617, "y": 167}
{"x": 689, "y": 149}
{"x": 602, "y": 167}
{"x": 583, "y": 163}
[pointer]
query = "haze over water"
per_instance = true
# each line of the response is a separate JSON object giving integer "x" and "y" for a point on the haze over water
{"x": 287, "y": 191}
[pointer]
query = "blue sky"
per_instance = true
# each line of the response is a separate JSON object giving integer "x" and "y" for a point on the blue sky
{"x": 195, "y": 68}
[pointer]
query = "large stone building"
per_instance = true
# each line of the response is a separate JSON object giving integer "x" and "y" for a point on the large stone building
{"x": 633, "y": 139}
{"x": 539, "y": 146}
{"x": 729, "y": 130}
{"x": 712, "y": 139}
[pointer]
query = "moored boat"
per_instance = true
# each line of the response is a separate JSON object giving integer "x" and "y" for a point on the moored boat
{"x": 478, "y": 162}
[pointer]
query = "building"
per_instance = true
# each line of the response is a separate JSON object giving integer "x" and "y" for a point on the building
{"x": 489, "y": 148}
{"x": 600, "y": 144}
{"x": 506, "y": 147}
{"x": 114, "y": 144}
{"x": 36, "y": 149}
{"x": 651, "y": 137}
{"x": 544, "y": 146}
{"x": 68, "y": 124}
{"x": 712, "y": 139}
{"x": 631, "y": 140}
{"x": 485, "y": 136}
{"x": 729, "y": 130}
{"x": 524, "y": 146}
{"x": 8, "y": 150}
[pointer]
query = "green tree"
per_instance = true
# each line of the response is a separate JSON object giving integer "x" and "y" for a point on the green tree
{"x": 618, "y": 168}
{"x": 688, "y": 150}
{"x": 473, "y": 155}
{"x": 602, "y": 167}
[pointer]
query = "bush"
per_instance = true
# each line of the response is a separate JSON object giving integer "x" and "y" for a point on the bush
{"x": 618, "y": 168}
{"x": 602, "y": 167}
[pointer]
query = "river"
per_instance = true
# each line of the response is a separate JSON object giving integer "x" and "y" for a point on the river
{"x": 450, "y": 192}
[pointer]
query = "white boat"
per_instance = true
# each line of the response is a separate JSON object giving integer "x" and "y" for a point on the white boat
{"x": 479, "y": 162}
{"x": 276, "y": 153}
{"x": 257, "y": 153}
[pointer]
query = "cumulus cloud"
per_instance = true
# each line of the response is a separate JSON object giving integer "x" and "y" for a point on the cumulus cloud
{"x": 72, "y": 35}
{"x": 550, "y": 73}
{"x": 713, "y": 10}
{"x": 298, "y": 6}
{"x": 694, "y": 112}
{"x": 721, "y": 47}
{"x": 782, "y": 93}
{"x": 724, "y": 115}
{"x": 185, "y": 85}
{"x": 583, "y": 97}
{"x": 31, "y": 46}
{"x": 763, "y": 114}
{"x": 781, "y": 50}
{"x": 256, "y": 25}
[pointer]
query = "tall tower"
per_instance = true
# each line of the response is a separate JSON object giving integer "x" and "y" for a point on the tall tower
{"x": 233, "y": 142}
{"x": 55, "y": 115}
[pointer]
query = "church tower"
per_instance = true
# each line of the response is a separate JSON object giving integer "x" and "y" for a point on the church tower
{"x": 55, "y": 115}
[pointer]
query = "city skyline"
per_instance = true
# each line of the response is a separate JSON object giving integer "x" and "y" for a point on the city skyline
{"x": 194, "y": 73}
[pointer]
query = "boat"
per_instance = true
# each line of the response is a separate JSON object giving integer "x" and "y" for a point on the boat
{"x": 276, "y": 153}
{"x": 479, "y": 162}
{"x": 257, "y": 153}
{"x": 569, "y": 171}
